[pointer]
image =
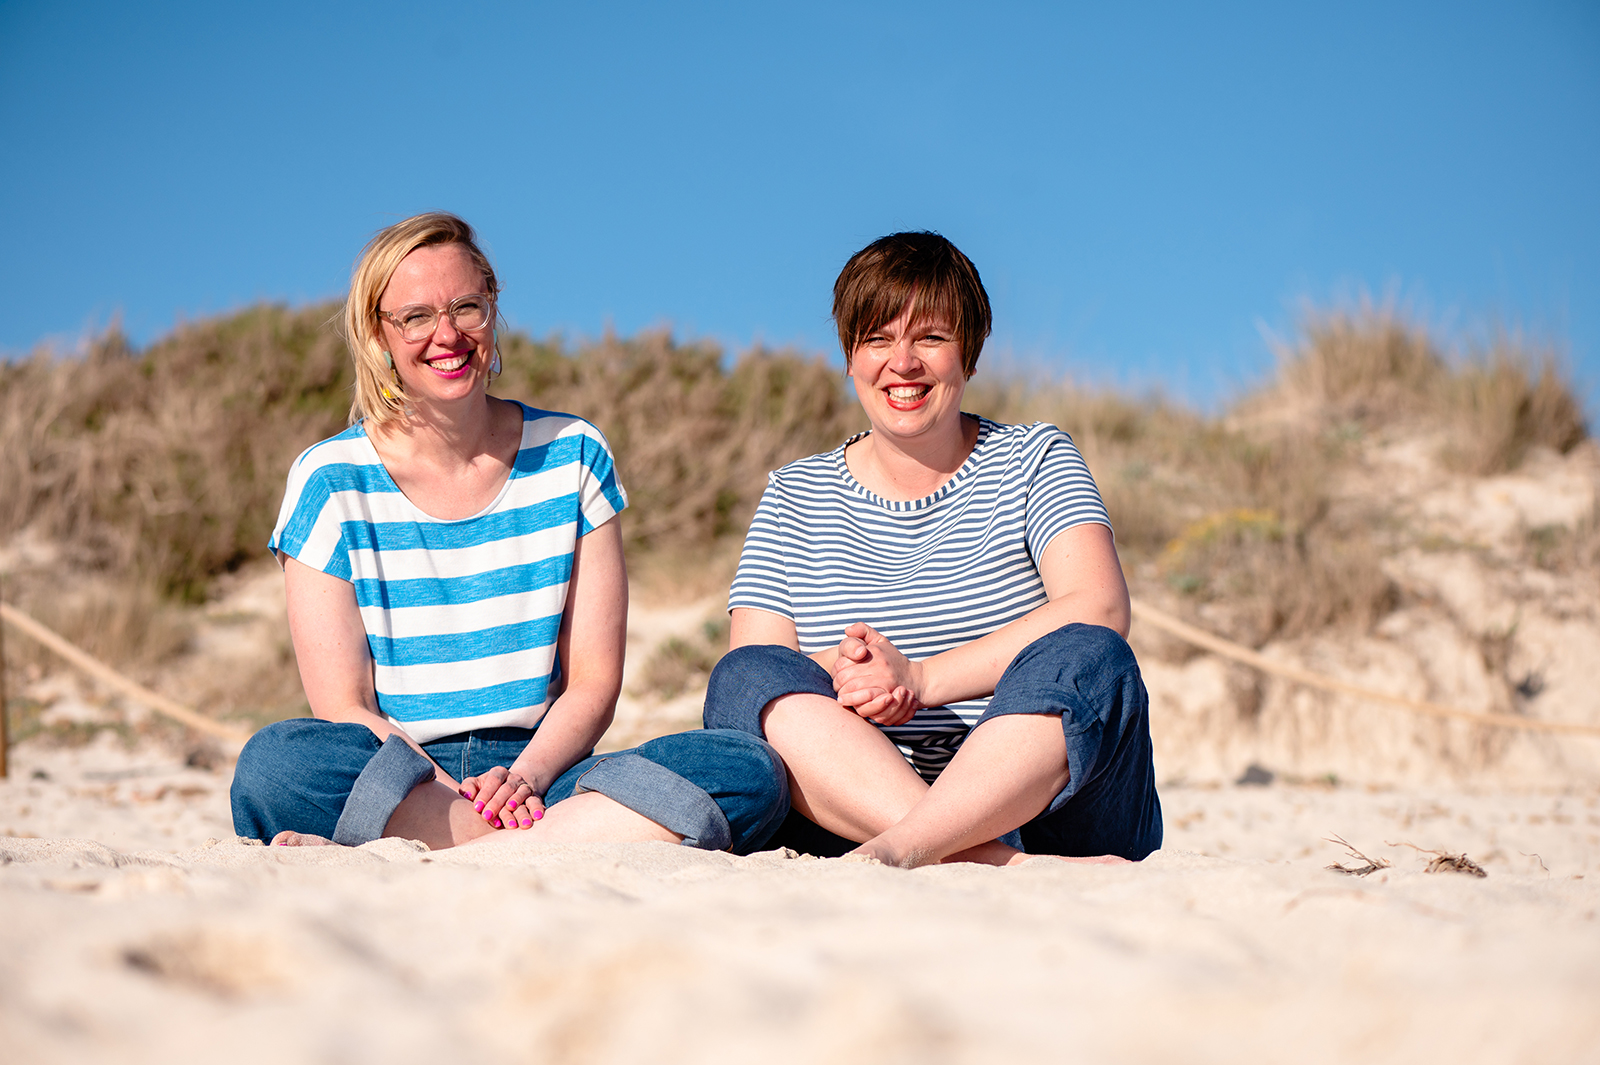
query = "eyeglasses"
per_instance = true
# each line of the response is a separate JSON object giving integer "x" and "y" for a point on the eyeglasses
{"x": 418, "y": 321}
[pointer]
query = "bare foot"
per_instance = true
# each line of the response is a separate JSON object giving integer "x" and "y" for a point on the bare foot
{"x": 992, "y": 853}
{"x": 876, "y": 851}
{"x": 857, "y": 856}
{"x": 301, "y": 839}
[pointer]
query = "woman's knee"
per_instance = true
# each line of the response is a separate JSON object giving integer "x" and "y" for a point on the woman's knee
{"x": 272, "y": 752}
{"x": 294, "y": 773}
{"x": 748, "y": 678}
{"x": 1088, "y": 643}
{"x": 740, "y": 773}
{"x": 1078, "y": 656}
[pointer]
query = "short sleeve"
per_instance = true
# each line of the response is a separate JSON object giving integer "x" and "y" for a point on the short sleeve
{"x": 1061, "y": 492}
{"x": 309, "y": 528}
{"x": 600, "y": 494}
{"x": 762, "y": 579}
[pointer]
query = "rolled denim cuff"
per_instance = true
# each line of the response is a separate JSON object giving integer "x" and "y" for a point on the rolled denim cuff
{"x": 748, "y": 678}
{"x": 388, "y": 778}
{"x": 654, "y": 791}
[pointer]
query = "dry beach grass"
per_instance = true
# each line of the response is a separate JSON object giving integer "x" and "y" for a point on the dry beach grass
{"x": 1383, "y": 511}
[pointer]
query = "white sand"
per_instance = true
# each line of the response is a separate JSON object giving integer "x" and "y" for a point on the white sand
{"x": 1232, "y": 944}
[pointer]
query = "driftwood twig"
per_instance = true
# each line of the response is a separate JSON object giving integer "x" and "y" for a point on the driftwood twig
{"x": 1445, "y": 862}
{"x": 1368, "y": 865}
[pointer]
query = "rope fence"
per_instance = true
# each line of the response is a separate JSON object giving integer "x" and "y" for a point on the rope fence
{"x": 116, "y": 681}
{"x": 1142, "y": 612}
{"x": 1228, "y": 649}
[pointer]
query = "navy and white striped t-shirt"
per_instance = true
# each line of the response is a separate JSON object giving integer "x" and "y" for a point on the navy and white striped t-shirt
{"x": 461, "y": 616}
{"x": 930, "y": 574}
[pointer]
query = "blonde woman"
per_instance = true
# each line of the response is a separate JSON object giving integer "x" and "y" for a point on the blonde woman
{"x": 458, "y": 605}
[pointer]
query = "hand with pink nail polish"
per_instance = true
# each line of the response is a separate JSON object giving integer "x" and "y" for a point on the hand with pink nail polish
{"x": 504, "y": 797}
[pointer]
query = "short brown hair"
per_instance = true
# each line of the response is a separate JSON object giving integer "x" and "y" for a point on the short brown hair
{"x": 923, "y": 271}
{"x": 379, "y": 395}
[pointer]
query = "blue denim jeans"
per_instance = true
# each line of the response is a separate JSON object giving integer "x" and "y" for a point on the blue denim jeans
{"x": 1086, "y": 674}
{"x": 719, "y": 790}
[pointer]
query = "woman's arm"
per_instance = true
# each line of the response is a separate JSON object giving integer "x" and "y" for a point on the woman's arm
{"x": 593, "y": 637}
{"x": 1084, "y": 580}
{"x": 330, "y": 646}
{"x": 748, "y": 625}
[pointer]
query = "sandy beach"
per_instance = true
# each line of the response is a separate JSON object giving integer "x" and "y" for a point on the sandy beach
{"x": 137, "y": 928}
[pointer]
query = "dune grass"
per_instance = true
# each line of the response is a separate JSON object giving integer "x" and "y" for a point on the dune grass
{"x": 153, "y": 473}
{"x": 1241, "y": 514}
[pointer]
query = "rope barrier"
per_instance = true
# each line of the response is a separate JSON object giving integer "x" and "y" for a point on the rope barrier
{"x": 1148, "y": 614}
{"x": 110, "y": 677}
{"x": 1227, "y": 649}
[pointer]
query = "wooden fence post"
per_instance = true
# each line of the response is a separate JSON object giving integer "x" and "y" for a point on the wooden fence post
{"x": 5, "y": 716}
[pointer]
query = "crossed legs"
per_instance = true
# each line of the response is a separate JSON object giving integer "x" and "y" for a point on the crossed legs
{"x": 301, "y": 782}
{"x": 845, "y": 775}
{"x": 439, "y": 817}
{"x": 1014, "y": 769}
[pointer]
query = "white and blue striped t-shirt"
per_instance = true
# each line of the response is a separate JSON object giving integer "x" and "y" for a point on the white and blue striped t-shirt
{"x": 461, "y": 616}
{"x": 930, "y": 574}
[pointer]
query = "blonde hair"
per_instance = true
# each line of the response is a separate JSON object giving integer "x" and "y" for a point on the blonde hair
{"x": 379, "y": 395}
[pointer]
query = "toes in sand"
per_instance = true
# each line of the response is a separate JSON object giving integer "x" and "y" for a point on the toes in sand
{"x": 301, "y": 839}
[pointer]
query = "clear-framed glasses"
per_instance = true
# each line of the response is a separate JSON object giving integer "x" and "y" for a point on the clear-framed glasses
{"x": 418, "y": 321}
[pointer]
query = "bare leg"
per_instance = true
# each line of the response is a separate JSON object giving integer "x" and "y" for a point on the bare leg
{"x": 844, "y": 774}
{"x": 1004, "y": 774}
{"x": 433, "y": 813}
{"x": 586, "y": 818}
{"x": 439, "y": 817}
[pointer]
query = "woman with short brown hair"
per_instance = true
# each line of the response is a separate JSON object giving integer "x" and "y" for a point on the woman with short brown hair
{"x": 929, "y": 622}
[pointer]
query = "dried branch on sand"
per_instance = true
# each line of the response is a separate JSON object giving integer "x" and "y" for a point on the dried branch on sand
{"x": 1445, "y": 862}
{"x": 1368, "y": 865}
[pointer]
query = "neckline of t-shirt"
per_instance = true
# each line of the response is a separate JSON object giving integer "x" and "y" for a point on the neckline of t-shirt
{"x": 423, "y": 515}
{"x": 985, "y": 433}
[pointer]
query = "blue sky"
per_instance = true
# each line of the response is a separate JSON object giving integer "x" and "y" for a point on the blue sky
{"x": 1148, "y": 189}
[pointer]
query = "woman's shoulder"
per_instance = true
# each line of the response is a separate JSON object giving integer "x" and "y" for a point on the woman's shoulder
{"x": 1020, "y": 432}
{"x": 350, "y": 447}
{"x": 542, "y": 426}
{"x": 1002, "y": 438}
{"x": 815, "y": 470}
{"x": 337, "y": 471}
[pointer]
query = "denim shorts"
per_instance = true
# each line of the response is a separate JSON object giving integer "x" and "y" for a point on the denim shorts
{"x": 718, "y": 789}
{"x": 1084, "y": 673}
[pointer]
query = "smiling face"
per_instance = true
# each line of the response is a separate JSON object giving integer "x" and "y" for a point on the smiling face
{"x": 909, "y": 378}
{"x": 451, "y": 364}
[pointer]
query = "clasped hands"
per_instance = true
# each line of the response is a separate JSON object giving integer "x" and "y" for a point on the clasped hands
{"x": 504, "y": 797}
{"x": 872, "y": 677}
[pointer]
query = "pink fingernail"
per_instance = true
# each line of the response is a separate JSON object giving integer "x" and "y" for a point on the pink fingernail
{"x": 526, "y": 823}
{"x": 538, "y": 814}
{"x": 479, "y": 807}
{"x": 512, "y": 804}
